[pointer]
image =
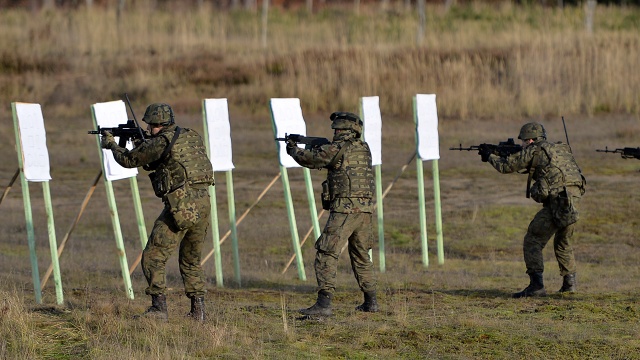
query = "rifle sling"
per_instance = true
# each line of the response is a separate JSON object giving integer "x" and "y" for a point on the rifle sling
{"x": 532, "y": 168}
{"x": 173, "y": 141}
{"x": 339, "y": 155}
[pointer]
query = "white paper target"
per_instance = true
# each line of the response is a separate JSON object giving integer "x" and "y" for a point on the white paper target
{"x": 33, "y": 142}
{"x": 427, "y": 127}
{"x": 108, "y": 115}
{"x": 372, "y": 120}
{"x": 216, "y": 112}
{"x": 287, "y": 119}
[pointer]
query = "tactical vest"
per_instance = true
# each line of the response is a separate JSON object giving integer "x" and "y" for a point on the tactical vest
{"x": 351, "y": 175}
{"x": 187, "y": 163}
{"x": 556, "y": 168}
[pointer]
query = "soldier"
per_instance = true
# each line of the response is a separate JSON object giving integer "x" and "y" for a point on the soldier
{"x": 181, "y": 176}
{"x": 348, "y": 195}
{"x": 558, "y": 186}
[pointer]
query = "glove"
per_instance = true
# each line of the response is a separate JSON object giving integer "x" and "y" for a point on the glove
{"x": 291, "y": 147}
{"x": 107, "y": 141}
{"x": 484, "y": 153}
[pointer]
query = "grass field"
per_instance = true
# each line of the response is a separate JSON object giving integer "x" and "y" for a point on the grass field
{"x": 493, "y": 69}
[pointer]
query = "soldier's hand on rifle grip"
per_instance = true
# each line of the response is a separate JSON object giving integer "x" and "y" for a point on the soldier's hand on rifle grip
{"x": 484, "y": 153}
{"x": 107, "y": 141}
{"x": 291, "y": 147}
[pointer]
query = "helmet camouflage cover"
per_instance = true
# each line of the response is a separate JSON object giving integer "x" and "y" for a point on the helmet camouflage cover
{"x": 158, "y": 114}
{"x": 346, "y": 121}
{"x": 532, "y": 130}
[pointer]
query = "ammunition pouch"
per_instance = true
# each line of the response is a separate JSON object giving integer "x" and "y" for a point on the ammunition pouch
{"x": 563, "y": 211}
{"x": 539, "y": 192}
{"x": 182, "y": 207}
{"x": 160, "y": 182}
{"x": 326, "y": 195}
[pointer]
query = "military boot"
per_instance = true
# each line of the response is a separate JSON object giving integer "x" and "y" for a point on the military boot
{"x": 197, "y": 309}
{"x": 370, "y": 303}
{"x": 322, "y": 307}
{"x": 535, "y": 288}
{"x": 157, "y": 310}
{"x": 568, "y": 283}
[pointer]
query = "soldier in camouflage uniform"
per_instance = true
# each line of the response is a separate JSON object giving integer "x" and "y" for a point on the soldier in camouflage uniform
{"x": 181, "y": 174}
{"x": 558, "y": 186}
{"x": 349, "y": 199}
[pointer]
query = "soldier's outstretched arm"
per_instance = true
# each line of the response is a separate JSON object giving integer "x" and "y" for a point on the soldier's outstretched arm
{"x": 146, "y": 153}
{"x": 514, "y": 162}
{"x": 316, "y": 158}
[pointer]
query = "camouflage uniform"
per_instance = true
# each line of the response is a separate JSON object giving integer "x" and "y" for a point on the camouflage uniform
{"x": 184, "y": 169}
{"x": 552, "y": 180}
{"x": 350, "y": 219}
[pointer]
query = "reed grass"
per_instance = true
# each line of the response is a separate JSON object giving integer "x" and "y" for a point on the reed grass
{"x": 499, "y": 63}
{"x": 481, "y": 60}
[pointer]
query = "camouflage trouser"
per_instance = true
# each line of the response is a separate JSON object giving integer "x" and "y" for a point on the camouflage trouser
{"x": 357, "y": 230}
{"x": 540, "y": 231}
{"x": 164, "y": 239}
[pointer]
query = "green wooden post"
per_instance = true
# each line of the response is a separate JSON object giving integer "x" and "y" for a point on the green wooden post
{"x": 379, "y": 201}
{"x": 312, "y": 202}
{"x": 438, "y": 212}
{"x": 215, "y": 232}
{"x": 232, "y": 224}
{"x": 53, "y": 244}
{"x": 115, "y": 219}
{"x": 433, "y": 154}
{"x": 35, "y": 275}
{"x": 379, "y": 197}
{"x": 215, "y": 227}
{"x": 423, "y": 214}
{"x": 117, "y": 231}
{"x": 421, "y": 200}
{"x": 28, "y": 214}
{"x": 295, "y": 239}
{"x": 137, "y": 205}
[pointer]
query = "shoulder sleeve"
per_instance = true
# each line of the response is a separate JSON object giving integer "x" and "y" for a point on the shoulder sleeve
{"x": 514, "y": 162}
{"x": 318, "y": 157}
{"x": 148, "y": 152}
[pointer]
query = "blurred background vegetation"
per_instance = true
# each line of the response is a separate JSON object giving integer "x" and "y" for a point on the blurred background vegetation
{"x": 493, "y": 65}
{"x": 483, "y": 59}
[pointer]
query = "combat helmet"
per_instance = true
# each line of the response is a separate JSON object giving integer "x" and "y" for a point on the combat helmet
{"x": 346, "y": 121}
{"x": 158, "y": 114}
{"x": 532, "y": 130}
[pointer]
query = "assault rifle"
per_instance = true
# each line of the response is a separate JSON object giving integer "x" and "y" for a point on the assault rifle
{"x": 310, "y": 142}
{"x": 126, "y": 132}
{"x": 129, "y": 131}
{"x": 503, "y": 149}
{"x": 625, "y": 153}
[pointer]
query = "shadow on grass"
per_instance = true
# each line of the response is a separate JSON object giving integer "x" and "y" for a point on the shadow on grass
{"x": 477, "y": 293}
{"x": 252, "y": 284}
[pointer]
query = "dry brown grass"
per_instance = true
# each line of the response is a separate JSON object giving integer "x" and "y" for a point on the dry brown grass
{"x": 492, "y": 69}
{"x": 461, "y": 309}
{"x": 482, "y": 61}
